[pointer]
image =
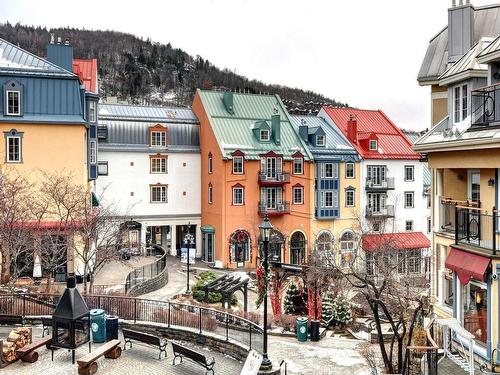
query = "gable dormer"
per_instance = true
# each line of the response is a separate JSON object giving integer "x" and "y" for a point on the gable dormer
{"x": 262, "y": 131}
{"x": 13, "y": 98}
{"x": 369, "y": 141}
{"x": 316, "y": 136}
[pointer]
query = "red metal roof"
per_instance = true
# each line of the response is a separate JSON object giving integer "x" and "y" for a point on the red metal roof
{"x": 86, "y": 69}
{"x": 403, "y": 241}
{"x": 467, "y": 265}
{"x": 392, "y": 143}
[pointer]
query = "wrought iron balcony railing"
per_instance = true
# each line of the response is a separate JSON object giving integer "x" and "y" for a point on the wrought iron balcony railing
{"x": 447, "y": 208}
{"x": 374, "y": 184}
{"x": 274, "y": 178}
{"x": 486, "y": 106}
{"x": 387, "y": 211}
{"x": 477, "y": 227}
{"x": 278, "y": 209}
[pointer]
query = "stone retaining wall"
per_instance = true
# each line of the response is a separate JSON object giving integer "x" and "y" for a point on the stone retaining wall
{"x": 150, "y": 285}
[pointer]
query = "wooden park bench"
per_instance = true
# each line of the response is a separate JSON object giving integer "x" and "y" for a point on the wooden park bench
{"x": 87, "y": 365}
{"x": 181, "y": 351}
{"x": 46, "y": 324}
{"x": 145, "y": 338}
{"x": 28, "y": 352}
{"x": 11, "y": 319}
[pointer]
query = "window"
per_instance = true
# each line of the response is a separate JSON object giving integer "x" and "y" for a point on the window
{"x": 409, "y": 199}
{"x": 370, "y": 264}
{"x": 328, "y": 199}
{"x": 240, "y": 247}
{"x": 158, "y": 138}
{"x": 14, "y": 149}
{"x": 414, "y": 261}
{"x": 159, "y": 164}
{"x": 102, "y": 168}
{"x": 238, "y": 195}
{"x": 264, "y": 135}
{"x": 347, "y": 242}
{"x": 159, "y": 194}
{"x": 210, "y": 163}
{"x": 13, "y": 99}
{"x": 409, "y": 173}
{"x": 93, "y": 152}
{"x": 373, "y": 145}
{"x": 349, "y": 170}
{"x": 329, "y": 170}
{"x": 320, "y": 140}
{"x": 210, "y": 193}
{"x": 460, "y": 103}
{"x": 324, "y": 247}
{"x": 237, "y": 164}
{"x": 298, "y": 195}
{"x": 349, "y": 198}
{"x": 297, "y": 248}
{"x": 409, "y": 225}
{"x": 429, "y": 200}
{"x": 298, "y": 166}
{"x": 92, "y": 111}
{"x": 429, "y": 225}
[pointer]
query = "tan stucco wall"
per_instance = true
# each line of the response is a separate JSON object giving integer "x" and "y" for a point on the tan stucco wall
{"x": 465, "y": 159}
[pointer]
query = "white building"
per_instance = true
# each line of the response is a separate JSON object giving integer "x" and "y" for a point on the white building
{"x": 149, "y": 173}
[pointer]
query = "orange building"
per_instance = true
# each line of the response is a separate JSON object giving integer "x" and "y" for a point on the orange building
{"x": 253, "y": 163}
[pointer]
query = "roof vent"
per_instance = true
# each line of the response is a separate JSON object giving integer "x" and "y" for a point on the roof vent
{"x": 227, "y": 99}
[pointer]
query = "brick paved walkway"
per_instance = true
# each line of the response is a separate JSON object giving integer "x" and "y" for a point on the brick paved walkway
{"x": 140, "y": 360}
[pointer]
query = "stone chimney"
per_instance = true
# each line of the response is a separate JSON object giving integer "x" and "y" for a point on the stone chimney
{"x": 60, "y": 53}
{"x": 460, "y": 29}
{"x": 352, "y": 129}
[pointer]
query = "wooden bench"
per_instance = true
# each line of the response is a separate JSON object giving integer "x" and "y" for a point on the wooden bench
{"x": 145, "y": 338}
{"x": 11, "y": 319}
{"x": 181, "y": 351}
{"x": 46, "y": 324}
{"x": 87, "y": 365}
{"x": 28, "y": 352}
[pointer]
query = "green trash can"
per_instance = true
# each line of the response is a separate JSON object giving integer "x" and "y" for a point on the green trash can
{"x": 98, "y": 325}
{"x": 301, "y": 329}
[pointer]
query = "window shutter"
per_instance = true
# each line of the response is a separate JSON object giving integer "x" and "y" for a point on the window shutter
{"x": 369, "y": 174}
{"x": 335, "y": 170}
{"x": 279, "y": 195}
{"x": 335, "y": 198}
{"x": 279, "y": 165}
{"x": 382, "y": 173}
{"x": 263, "y": 165}
{"x": 263, "y": 195}
{"x": 322, "y": 199}
{"x": 322, "y": 169}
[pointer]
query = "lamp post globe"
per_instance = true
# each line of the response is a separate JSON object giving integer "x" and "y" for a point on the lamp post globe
{"x": 265, "y": 235}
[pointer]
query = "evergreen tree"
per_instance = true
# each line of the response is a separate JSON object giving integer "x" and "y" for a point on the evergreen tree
{"x": 327, "y": 311}
{"x": 342, "y": 314}
{"x": 290, "y": 297}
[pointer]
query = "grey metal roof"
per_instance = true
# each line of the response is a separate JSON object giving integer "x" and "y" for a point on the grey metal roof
{"x": 486, "y": 24}
{"x": 489, "y": 52}
{"x": 128, "y": 127}
{"x": 146, "y": 113}
{"x": 336, "y": 144}
{"x": 15, "y": 59}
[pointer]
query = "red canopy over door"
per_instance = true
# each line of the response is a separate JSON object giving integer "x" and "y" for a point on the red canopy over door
{"x": 467, "y": 265}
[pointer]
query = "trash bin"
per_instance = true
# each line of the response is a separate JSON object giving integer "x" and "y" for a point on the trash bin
{"x": 111, "y": 327}
{"x": 314, "y": 330}
{"x": 98, "y": 325}
{"x": 302, "y": 329}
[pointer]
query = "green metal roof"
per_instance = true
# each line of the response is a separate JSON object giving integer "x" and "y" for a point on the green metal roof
{"x": 234, "y": 131}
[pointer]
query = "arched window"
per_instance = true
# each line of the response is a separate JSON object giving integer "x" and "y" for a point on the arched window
{"x": 297, "y": 248}
{"x": 347, "y": 248}
{"x": 240, "y": 246}
{"x": 210, "y": 163}
{"x": 275, "y": 246}
{"x": 324, "y": 245}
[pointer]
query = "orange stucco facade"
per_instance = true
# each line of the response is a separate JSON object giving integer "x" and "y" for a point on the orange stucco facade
{"x": 226, "y": 218}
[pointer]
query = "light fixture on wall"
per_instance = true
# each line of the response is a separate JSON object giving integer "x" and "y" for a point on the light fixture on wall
{"x": 491, "y": 182}
{"x": 460, "y": 177}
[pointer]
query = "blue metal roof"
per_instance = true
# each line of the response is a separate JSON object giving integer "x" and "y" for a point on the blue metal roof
{"x": 336, "y": 144}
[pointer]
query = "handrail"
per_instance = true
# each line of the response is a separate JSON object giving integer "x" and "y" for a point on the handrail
{"x": 161, "y": 260}
{"x": 473, "y": 208}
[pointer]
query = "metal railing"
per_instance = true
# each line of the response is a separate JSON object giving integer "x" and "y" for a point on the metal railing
{"x": 477, "y": 227}
{"x": 423, "y": 360}
{"x": 386, "y": 211}
{"x": 202, "y": 320}
{"x": 281, "y": 208}
{"x": 386, "y": 184}
{"x": 485, "y": 106}
{"x": 281, "y": 177}
{"x": 148, "y": 271}
{"x": 447, "y": 213}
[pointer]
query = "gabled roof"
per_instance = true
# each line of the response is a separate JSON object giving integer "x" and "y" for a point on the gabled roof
{"x": 486, "y": 24}
{"x": 491, "y": 52}
{"x": 395, "y": 241}
{"x": 336, "y": 143}
{"x": 467, "y": 65}
{"x": 15, "y": 59}
{"x": 234, "y": 131}
{"x": 86, "y": 70}
{"x": 392, "y": 143}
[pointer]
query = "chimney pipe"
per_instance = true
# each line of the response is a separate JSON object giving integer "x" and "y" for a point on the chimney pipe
{"x": 352, "y": 129}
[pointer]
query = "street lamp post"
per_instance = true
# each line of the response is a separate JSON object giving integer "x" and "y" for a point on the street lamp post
{"x": 265, "y": 234}
{"x": 188, "y": 240}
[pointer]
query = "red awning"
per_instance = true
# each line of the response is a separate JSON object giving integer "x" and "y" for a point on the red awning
{"x": 395, "y": 241}
{"x": 467, "y": 265}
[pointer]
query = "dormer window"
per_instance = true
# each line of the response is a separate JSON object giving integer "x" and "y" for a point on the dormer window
{"x": 158, "y": 136}
{"x": 460, "y": 103}
{"x": 13, "y": 103}
{"x": 373, "y": 145}
{"x": 320, "y": 140}
{"x": 264, "y": 135}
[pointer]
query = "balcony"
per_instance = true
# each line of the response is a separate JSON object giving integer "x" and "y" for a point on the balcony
{"x": 477, "y": 227}
{"x": 485, "y": 106}
{"x": 382, "y": 212}
{"x": 447, "y": 213}
{"x": 379, "y": 185}
{"x": 280, "y": 209}
{"x": 274, "y": 179}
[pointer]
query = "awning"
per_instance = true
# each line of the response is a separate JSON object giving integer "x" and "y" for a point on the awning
{"x": 395, "y": 241}
{"x": 467, "y": 265}
{"x": 207, "y": 229}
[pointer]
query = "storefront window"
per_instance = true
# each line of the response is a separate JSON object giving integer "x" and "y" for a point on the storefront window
{"x": 475, "y": 309}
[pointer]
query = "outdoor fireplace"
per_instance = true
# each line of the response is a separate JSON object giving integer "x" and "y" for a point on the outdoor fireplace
{"x": 71, "y": 320}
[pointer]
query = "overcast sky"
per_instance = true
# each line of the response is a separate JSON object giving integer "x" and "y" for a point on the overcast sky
{"x": 366, "y": 53}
